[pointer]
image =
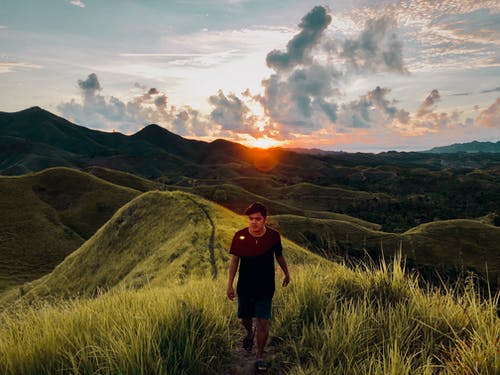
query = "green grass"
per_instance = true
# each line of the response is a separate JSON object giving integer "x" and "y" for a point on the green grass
{"x": 180, "y": 330}
{"x": 378, "y": 321}
{"x": 159, "y": 238}
{"x": 48, "y": 214}
{"x": 330, "y": 320}
{"x": 123, "y": 178}
{"x": 461, "y": 243}
{"x": 141, "y": 297}
{"x": 237, "y": 199}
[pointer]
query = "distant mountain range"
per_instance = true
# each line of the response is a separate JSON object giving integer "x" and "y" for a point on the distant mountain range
{"x": 474, "y": 146}
{"x": 35, "y": 139}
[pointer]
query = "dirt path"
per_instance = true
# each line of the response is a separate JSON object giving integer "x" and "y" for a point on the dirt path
{"x": 211, "y": 240}
{"x": 243, "y": 362}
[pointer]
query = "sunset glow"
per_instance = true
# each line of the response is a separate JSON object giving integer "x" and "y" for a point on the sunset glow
{"x": 406, "y": 75}
{"x": 263, "y": 143}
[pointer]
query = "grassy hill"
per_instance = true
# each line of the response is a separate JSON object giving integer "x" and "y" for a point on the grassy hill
{"x": 157, "y": 239}
{"x": 156, "y": 272}
{"x": 123, "y": 179}
{"x": 237, "y": 199}
{"x": 451, "y": 244}
{"x": 47, "y": 215}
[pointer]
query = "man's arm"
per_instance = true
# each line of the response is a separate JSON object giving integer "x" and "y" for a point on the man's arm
{"x": 282, "y": 262}
{"x": 233, "y": 267}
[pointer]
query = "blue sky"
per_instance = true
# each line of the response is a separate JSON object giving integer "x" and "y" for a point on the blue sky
{"x": 338, "y": 75}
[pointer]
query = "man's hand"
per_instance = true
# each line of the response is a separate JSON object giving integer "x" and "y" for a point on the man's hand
{"x": 286, "y": 280}
{"x": 230, "y": 293}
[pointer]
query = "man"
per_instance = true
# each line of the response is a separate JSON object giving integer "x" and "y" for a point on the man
{"x": 253, "y": 249}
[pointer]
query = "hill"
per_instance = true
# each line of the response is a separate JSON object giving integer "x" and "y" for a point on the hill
{"x": 449, "y": 247}
{"x": 124, "y": 179}
{"x": 35, "y": 139}
{"x": 397, "y": 190}
{"x": 237, "y": 199}
{"x": 474, "y": 146}
{"x": 157, "y": 239}
{"x": 47, "y": 215}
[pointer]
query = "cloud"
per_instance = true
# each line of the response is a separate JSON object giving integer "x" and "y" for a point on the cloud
{"x": 496, "y": 89}
{"x": 303, "y": 100}
{"x": 90, "y": 86}
{"x": 303, "y": 94}
{"x": 232, "y": 114}
{"x": 108, "y": 112}
{"x": 10, "y": 67}
{"x": 490, "y": 117}
{"x": 429, "y": 103}
{"x": 376, "y": 49}
{"x": 312, "y": 26}
{"x": 189, "y": 121}
{"x": 372, "y": 110}
{"x": 78, "y": 3}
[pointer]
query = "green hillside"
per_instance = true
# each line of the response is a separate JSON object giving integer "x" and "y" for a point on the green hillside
{"x": 461, "y": 244}
{"x": 157, "y": 239}
{"x": 237, "y": 199}
{"x": 123, "y": 179}
{"x": 156, "y": 275}
{"x": 47, "y": 215}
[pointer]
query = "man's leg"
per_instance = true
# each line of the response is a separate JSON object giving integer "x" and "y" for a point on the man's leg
{"x": 262, "y": 334}
{"x": 248, "y": 324}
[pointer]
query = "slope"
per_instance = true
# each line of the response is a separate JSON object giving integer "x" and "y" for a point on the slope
{"x": 237, "y": 199}
{"x": 459, "y": 244}
{"x": 159, "y": 238}
{"x": 123, "y": 178}
{"x": 47, "y": 215}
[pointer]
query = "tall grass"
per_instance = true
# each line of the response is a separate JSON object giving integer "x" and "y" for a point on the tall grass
{"x": 378, "y": 321}
{"x": 182, "y": 330}
{"x": 330, "y": 320}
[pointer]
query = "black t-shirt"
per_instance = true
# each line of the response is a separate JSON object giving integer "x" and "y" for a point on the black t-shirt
{"x": 256, "y": 273}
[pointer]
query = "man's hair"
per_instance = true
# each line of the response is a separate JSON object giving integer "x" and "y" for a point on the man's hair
{"x": 256, "y": 207}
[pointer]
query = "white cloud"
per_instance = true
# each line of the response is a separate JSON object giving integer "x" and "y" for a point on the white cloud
{"x": 10, "y": 67}
{"x": 78, "y": 3}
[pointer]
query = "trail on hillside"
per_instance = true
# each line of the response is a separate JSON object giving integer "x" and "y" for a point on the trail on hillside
{"x": 242, "y": 362}
{"x": 212, "y": 239}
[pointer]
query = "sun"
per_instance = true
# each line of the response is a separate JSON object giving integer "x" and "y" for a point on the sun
{"x": 263, "y": 142}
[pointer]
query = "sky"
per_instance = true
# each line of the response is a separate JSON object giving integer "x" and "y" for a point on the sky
{"x": 357, "y": 75}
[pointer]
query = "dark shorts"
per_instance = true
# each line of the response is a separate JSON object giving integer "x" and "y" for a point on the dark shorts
{"x": 249, "y": 307}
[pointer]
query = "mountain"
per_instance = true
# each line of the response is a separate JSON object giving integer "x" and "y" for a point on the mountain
{"x": 47, "y": 215}
{"x": 474, "y": 146}
{"x": 397, "y": 190}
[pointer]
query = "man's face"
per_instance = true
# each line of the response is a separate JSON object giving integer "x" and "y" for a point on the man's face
{"x": 256, "y": 222}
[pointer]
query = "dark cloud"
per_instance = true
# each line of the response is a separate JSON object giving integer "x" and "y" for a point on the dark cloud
{"x": 161, "y": 101}
{"x": 302, "y": 100}
{"x": 429, "y": 103}
{"x": 312, "y": 26}
{"x": 232, "y": 113}
{"x": 376, "y": 49}
{"x": 491, "y": 90}
{"x": 140, "y": 86}
{"x": 372, "y": 109}
{"x": 189, "y": 121}
{"x": 91, "y": 85}
{"x": 303, "y": 94}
